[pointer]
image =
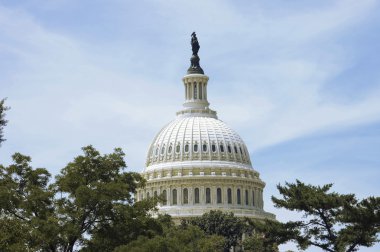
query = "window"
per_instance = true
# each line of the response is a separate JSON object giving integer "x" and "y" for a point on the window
{"x": 196, "y": 196}
{"x": 246, "y": 197}
{"x": 147, "y": 195}
{"x": 195, "y": 147}
{"x": 187, "y": 147}
{"x": 178, "y": 148}
{"x": 195, "y": 90}
{"x": 185, "y": 196}
{"x": 163, "y": 150}
{"x": 241, "y": 152}
{"x": 229, "y": 196}
{"x": 208, "y": 195}
{"x": 221, "y": 147}
{"x": 200, "y": 90}
{"x": 238, "y": 197}
{"x": 157, "y": 150}
{"x": 155, "y": 194}
{"x": 253, "y": 198}
{"x": 165, "y": 197}
{"x": 174, "y": 197}
{"x": 219, "y": 196}
{"x": 235, "y": 149}
{"x": 213, "y": 147}
{"x": 141, "y": 196}
{"x": 229, "y": 149}
{"x": 204, "y": 147}
{"x": 170, "y": 149}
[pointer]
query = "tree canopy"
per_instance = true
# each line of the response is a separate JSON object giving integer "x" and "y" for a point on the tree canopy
{"x": 333, "y": 222}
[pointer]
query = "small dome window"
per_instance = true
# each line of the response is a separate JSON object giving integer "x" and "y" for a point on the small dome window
{"x": 221, "y": 147}
{"x": 170, "y": 149}
{"x": 163, "y": 150}
{"x": 229, "y": 148}
{"x": 195, "y": 147}
{"x": 187, "y": 147}
{"x": 213, "y": 147}
{"x": 204, "y": 147}
{"x": 157, "y": 150}
{"x": 235, "y": 148}
{"x": 178, "y": 148}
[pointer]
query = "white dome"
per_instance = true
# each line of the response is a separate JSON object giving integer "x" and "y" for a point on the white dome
{"x": 197, "y": 140}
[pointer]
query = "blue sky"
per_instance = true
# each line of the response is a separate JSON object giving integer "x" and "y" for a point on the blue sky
{"x": 298, "y": 80}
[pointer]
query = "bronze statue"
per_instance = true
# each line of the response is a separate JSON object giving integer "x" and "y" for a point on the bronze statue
{"x": 194, "y": 43}
{"x": 194, "y": 68}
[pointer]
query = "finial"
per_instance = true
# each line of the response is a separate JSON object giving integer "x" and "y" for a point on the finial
{"x": 195, "y": 67}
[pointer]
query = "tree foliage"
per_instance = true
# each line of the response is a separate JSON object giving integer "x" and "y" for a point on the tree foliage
{"x": 333, "y": 222}
{"x": 220, "y": 223}
{"x": 3, "y": 122}
{"x": 89, "y": 206}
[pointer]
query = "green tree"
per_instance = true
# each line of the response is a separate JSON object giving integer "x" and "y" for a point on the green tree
{"x": 266, "y": 235}
{"x": 187, "y": 238}
{"x": 333, "y": 222}
{"x": 220, "y": 223}
{"x": 27, "y": 214}
{"x": 3, "y": 122}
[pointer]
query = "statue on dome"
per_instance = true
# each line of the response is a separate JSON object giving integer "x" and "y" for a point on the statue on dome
{"x": 194, "y": 43}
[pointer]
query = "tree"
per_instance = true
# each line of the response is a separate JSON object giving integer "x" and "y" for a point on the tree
{"x": 266, "y": 235}
{"x": 3, "y": 122}
{"x": 333, "y": 222}
{"x": 187, "y": 238}
{"x": 222, "y": 224}
{"x": 27, "y": 214}
{"x": 89, "y": 207}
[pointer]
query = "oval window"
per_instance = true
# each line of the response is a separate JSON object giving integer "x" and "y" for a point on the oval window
{"x": 170, "y": 149}
{"x": 221, "y": 147}
{"x": 204, "y": 147}
{"x": 195, "y": 147}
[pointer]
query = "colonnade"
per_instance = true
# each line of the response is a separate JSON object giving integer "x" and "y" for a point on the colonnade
{"x": 250, "y": 197}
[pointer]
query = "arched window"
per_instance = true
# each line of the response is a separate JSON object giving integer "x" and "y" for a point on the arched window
{"x": 219, "y": 196}
{"x": 213, "y": 147}
{"x": 253, "y": 198}
{"x": 204, "y": 147}
{"x": 238, "y": 195}
{"x": 221, "y": 147}
{"x": 208, "y": 195}
{"x": 187, "y": 147}
{"x": 185, "y": 196}
{"x": 170, "y": 149}
{"x": 195, "y": 147}
{"x": 246, "y": 197}
{"x": 178, "y": 148}
{"x": 157, "y": 150}
{"x": 229, "y": 196}
{"x": 163, "y": 150}
{"x": 147, "y": 195}
{"x": 174, "y": 197}
{"x": 196, "y": 196}
{"x": 195, "y": 90}
{"x": 164, "y": 196}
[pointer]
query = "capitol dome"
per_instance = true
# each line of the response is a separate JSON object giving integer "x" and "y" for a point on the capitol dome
{"x": 197, "y": 163}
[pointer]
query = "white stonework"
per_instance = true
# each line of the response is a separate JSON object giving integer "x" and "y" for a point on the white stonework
{"x": 199, "y": 164}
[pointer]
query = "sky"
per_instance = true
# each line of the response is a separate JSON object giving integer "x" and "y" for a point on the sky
{"x": 298, "y": 80}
